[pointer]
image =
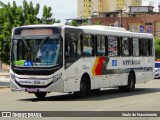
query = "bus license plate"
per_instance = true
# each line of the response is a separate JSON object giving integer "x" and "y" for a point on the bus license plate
{"x": 32, "y": 90}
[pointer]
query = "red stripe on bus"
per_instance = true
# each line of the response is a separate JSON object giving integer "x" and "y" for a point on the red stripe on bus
{"x": 98, "y": 69}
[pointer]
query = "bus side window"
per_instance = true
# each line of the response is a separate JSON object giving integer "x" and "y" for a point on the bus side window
{"x": 150, "y": 46}
{"x": 72, "y": 46}
{"x": 88, "y": 45}
{"x": 135, "y": 44}
{"x": 101, "y": 47}
{"x": 144, "y": 47}
{"x": 112, "y": 46}
{"x": 125, "y": 46}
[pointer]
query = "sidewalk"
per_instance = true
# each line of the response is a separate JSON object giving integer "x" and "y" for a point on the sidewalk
{"x": 4, "y": 79}
{"x": 4, "y": 75}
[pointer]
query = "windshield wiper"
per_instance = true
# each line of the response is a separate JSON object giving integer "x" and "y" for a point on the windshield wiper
{"x": 25, "y": 44}
{"x": 41, "y": 44}
{"x": 28, "y": 48}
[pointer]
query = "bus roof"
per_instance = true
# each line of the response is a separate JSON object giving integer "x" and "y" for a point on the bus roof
{"x": 100, "y": 29}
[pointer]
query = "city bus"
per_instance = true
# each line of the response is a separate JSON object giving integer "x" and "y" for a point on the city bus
{"x": 55, "y": 58}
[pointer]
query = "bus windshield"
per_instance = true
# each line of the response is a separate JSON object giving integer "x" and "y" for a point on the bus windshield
{"x": 36, "y": 51}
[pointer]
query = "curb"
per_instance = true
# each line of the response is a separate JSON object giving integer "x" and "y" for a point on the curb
{"x": 1, "y": 87}
{"x": 4, "y": 76}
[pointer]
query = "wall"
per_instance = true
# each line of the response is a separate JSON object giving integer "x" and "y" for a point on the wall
{"x": 150, "y": 22}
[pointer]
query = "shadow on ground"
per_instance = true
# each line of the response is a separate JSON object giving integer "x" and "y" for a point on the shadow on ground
{"x": 102, "y": 95}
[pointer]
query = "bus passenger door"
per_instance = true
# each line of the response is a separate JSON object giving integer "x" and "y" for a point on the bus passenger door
{"x": 72, "y": 54}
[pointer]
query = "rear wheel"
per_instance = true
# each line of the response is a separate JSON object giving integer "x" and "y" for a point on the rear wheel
{"x": 40, "y": 95}
{"x": 131, "y": 84}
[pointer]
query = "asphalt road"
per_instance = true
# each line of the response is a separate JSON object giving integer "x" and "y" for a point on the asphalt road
{"x": 146, "y": 97}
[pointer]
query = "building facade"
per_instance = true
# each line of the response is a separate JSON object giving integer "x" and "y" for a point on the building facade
{"x": 144, "y": 23}
{"x": 86, "y": 8}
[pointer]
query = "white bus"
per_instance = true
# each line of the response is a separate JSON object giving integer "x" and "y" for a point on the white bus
{"x": 50, "y": 58}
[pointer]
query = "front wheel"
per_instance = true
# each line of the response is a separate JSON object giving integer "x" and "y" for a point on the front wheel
{"x": 84, "y": 88}
{"x": 41, "y": 95}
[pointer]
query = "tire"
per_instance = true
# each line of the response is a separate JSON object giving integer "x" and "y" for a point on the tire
{"x": 40, "y": 95}
{"x": 84, "y": 88}
{"x": 131, "y": 84}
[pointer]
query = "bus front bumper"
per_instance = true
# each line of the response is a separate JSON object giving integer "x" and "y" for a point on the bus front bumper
{"x": 31, "y": 90}
{"x": 58, "y": 86}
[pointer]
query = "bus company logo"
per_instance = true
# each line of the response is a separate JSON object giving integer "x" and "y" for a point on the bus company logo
{"x": 114, "y": 62}
{"x": 85, "y": 67}
{"x": 28, "y": 63}
{"x": 131, "y": 62}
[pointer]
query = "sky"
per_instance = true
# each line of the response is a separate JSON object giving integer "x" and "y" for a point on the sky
{"x": 61, "y": 9}
{"x": 65, "y": 9}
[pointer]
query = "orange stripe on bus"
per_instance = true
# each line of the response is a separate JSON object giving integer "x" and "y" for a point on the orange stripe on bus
{"x": 94, "y": 67}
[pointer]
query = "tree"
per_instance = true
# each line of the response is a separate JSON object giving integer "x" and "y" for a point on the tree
{"x": 12, "y": 16}
{"x": 98, "y": 22}
{"x": 74, "y": 23}
{"x": 30, "y": 13}
{"x": 47, "y": 15}
{"x": 85, "y": 23}
{"x": 157, "y": 48}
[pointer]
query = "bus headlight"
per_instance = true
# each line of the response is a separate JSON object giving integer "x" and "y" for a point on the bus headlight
{"x": 57, "y": 77}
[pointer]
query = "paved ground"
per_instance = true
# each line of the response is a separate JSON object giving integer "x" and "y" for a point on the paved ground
{"x": 146, "y": 97}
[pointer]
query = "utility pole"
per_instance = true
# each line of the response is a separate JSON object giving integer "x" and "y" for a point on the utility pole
{"x": 121, "y": 17}
{"x": 121, "y": 20}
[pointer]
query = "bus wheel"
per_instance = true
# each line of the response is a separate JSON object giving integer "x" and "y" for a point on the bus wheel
{"x": 41, "y": 95}
{"x": 84, "y": 88}
{"x": 131, "y": 84}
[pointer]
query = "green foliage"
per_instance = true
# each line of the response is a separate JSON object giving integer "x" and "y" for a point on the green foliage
{"x": 157, "y": 48}
{"x": 85, "y": 23}
{"x": 12, "y": 16}
{"x": 98, "y": 22}
{"x": 74, "y": 23}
